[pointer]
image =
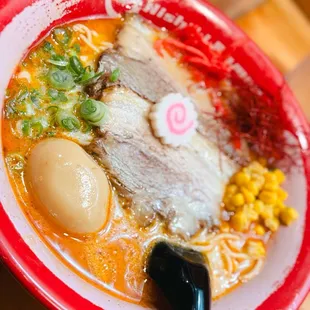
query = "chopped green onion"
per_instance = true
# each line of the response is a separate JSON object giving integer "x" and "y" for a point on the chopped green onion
{"x": 62, "y": 97}
{"x": 60, "y": 79}
{"x": 53, "y": 93}
{"x": 22, "y": 94}
{"x": 51, "y": 133}
{"x": 25, "y": 127}
{"x": 61, "y": 36}
{"x": 76, "y": 65}
{"x": 36, "y": 129}
{"x": 34, "y": 97}
{"x": 93, "y": 111}
{"x": 77, "y": 47}
{"x": 52, "y": 110}
{"x": 67, "y": 121}
{"x": 31, "y": 129}
{"x": 57, "y": 95}
{"x": 59, "y": 63}
{"x": 89, "y": 77}
{"x": 48, "y": 47}
{"x": 115, "y": 75}
{"x": 15, "y": 162}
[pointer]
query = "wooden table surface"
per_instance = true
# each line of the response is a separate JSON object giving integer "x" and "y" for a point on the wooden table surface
{"x": 282, "y": 30}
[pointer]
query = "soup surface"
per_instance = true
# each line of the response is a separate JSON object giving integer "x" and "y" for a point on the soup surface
{"x": 79, "y": 84}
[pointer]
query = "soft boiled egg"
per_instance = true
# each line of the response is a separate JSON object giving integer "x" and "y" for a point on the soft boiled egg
{"x": 69, "y": 185}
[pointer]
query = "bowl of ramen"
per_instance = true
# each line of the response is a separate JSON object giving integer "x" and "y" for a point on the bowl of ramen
{"x": 127, "y": 123}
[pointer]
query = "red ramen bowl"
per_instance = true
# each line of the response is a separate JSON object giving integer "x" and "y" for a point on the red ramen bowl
{"x": 285, "y": 279}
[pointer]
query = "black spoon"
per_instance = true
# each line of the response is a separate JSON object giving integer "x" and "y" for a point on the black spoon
{"x": 182, "y": 276}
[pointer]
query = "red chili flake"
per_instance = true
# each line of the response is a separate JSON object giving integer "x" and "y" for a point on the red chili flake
{"x": 247, "y": 113}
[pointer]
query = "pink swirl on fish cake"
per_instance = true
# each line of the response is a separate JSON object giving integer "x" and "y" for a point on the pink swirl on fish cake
{"x": 174, "y": 119}
{"x": 177, "y": 119}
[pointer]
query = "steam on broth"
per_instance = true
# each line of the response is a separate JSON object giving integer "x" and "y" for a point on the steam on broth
{"x": 78, "y": 111}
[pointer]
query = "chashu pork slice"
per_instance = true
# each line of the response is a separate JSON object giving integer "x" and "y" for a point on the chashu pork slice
{"x": 184, "y": 185}
{"x": 143, "y": 70}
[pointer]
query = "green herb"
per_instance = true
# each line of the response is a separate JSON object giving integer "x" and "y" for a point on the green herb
{"x": 34, "y": 97}
{"x": 51, "y": 133}
{"x": 89, "y": 77}
{"x": 76, "y": 65}
{"x": 31, "y": 129}
{"x": 77, "y": 47}
{"x": 52, "y": 110}
{"x": 93, "y": 111}
{"x": 25, "y": 127}
{"x": 53, "y": 93}
{"x": 36, "y": 129}
{"x": 58, "y": 63}
{"x": 48, "y": 47}
{"x": 22, "y": 94}
{"x": 57, "y": 95}
{"x": 61, "y": 36}
{"x": 67, "y": 121}
{"x": 115, "y": 75}
{"x": 60, "y": 79}
{"x": 15, "y": 162}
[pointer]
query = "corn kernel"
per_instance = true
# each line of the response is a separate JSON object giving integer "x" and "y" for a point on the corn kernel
{"x": 270, "y": 177}
{"x": 280, "y": 176}
{"x": 253, "y": 188}
{"x": 271, "y": 186}
{"x": 268, "y": 197}
{"x": 242, "y": 178}
{"x": 258, "y": 206}
{"x": 272, "y": 223}
{"x": 255, "y": 249}
{"x": 231, "y": 189}
{"x": 282, "y": 194}
{"x": 267, "y": 212}
{"x": 239, "y": 221}
{"x": 279, "y": 204}
{"x": 238, "y": 200}
{"x": 252, "y": 215}
{"x": 226, "y": 200}
{"x": 224, "y": 227}
{"x": 276, "y": 211}
{"x": 248, "y": 196}
{"x": 256, "y": 167}
{"x": 260, "y": 230}
{"x": 288, "y": 215}
{"x": 230, "y": 207}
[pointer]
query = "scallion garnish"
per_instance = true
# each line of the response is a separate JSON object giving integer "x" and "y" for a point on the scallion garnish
{"x": 34, "y": 97}
{"x": 89, "y": 77}
{"x": 60, "y": 79}
{"x": 48, "y": 47}
{"x": 77, "y": 47}
{"x": 76, "y": 65}
{"x": 115, "y": 75}
{"x": 61, "y": 36}
{"x": 25, "y": 127}
{"x": 31, "y": 129}
{"x": 59, "y": 63}
{"x": 52, "y": 110}
{"x": 93, "y": 111}
{"x": 36, "y": 129}
{"x": 56, "y": 95}
{"x": 67, "y": 121}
